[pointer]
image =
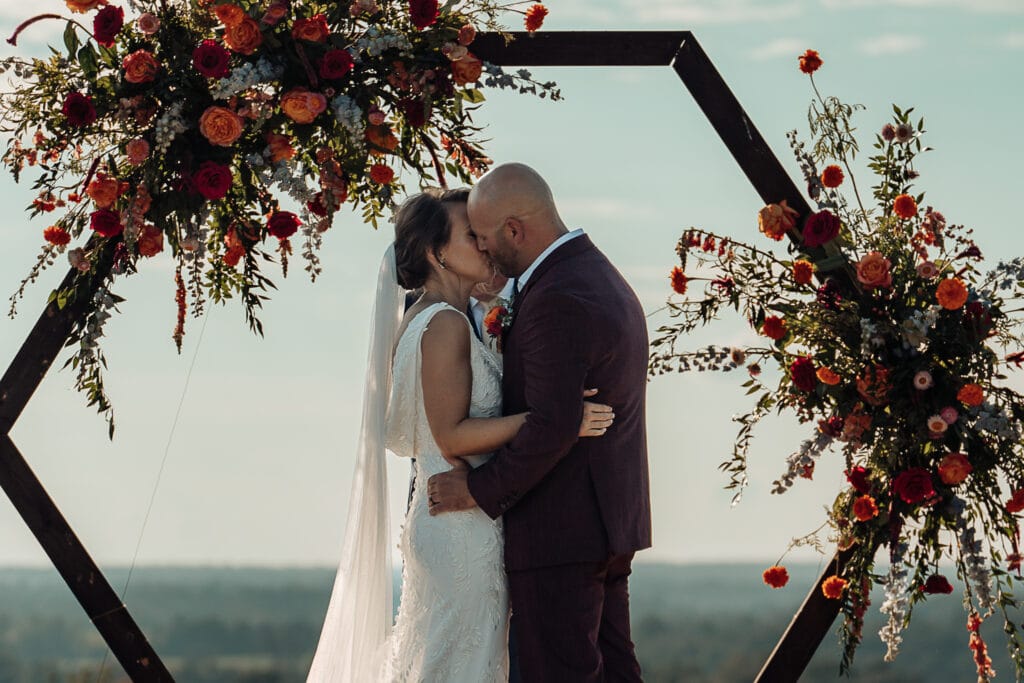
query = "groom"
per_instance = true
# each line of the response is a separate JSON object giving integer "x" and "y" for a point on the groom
{"x": 574, "y": 510}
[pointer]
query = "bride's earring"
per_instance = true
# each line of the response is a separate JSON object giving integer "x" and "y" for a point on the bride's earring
{"x": 444, "y": 266}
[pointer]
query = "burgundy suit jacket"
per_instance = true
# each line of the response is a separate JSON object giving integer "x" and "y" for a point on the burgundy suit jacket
{"x": 576, "y": 324}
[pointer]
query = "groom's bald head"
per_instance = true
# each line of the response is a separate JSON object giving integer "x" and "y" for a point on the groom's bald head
{"x": 513, "y": 214}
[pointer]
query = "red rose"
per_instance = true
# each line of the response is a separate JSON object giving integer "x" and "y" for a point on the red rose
{"x": 1016, "y": 502}
{"x": 212, "y": 180}
{"x": 335, "y": 64}
{"x": 105, "y": 25}
{"x": 820, "y": 228}
{"x": 914, "y": 485}
{"x": 317, "y": 206}
{"x": 106, "y": 223}
{"x": 937, "y": 583}
{"x": 78, "y": 109}
{"x": 423, "y": 12}
{"x": 283, "y": 224}
{"x": 416, "y": 112}
{"x": 804, "y": 374}
{"x": 858, "y": 478}
{"x": 211, "y": 59}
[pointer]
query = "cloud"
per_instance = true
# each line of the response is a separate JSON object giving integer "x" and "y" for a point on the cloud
{"x": 975, "y": 6}
{"x": 782, "y": 47}
{"x": 891, "y": 44}
{"x": 1012, "y": 41}
{"x": 690, "y": 12}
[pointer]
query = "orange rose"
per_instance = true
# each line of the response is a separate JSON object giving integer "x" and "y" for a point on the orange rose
{"x": 873, "y": 271}
{"x": 775, "y": 220}
{"x": 302, "y": 106}
{"x": 229, "y": 15}
{"x": 954, "y": 468}
{"x": 140, "y": 67}
{"x": 104, "y": 191}
{"x": 83, "y": 6}
{"x": 855, "y": 425}
{"x": 873, "y": 385}
{"x": 904, "y": 206}
{"x": 234, "y": 249}
{"x": 803, "y": 272}
{"x": 243, "y": 37}
{"x": 826, "y": 376}
{"x": 467, "y": 70}
{"x": 951, "y": 293}
{"x": 833, "y": 587}
{"x": 382, "y": 137}
{"x": 971, "y": 394}
{"x": 220, "y": 126}
{"x": 151, "y": 241}
{"x": 865, "y": 508}
{"x": 280, "y": 147}
{"x": 314, "y": 30}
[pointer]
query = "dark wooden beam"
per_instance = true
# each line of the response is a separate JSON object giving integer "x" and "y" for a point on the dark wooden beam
{"x": 580, "y": 48}
{"x": 108, "y": 614}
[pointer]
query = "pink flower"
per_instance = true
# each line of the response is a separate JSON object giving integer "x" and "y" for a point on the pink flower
{"x": 137, "y": 151}
{"x": 888, "y": 132}
{"x": 873, "y": 271}
{"x": 904, "y": 133}
{"x": 949, "y": 414}
{"x": 923, "y": 380}
{"x": 927, "y": 270}
{"x": 936, "y": 425}
{"x": 148, "y": 23}
{"x": 78, "y": 260}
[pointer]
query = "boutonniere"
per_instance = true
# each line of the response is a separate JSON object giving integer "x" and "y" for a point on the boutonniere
{"x": 498, "y": 320}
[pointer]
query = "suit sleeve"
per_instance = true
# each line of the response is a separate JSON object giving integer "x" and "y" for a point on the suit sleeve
{"x": 555, "y": 344}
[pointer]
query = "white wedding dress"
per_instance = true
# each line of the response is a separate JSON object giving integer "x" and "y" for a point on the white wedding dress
{"x": 452, "y": 623}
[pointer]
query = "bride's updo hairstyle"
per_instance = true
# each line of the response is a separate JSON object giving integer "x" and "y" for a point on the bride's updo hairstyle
{"x": 422, "y": 227}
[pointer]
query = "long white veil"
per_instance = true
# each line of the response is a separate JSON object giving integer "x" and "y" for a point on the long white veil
{"x": 352, "y": 646}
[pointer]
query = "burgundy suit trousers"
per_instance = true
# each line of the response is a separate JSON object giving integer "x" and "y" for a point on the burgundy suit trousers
{"x": 572, "y": 622}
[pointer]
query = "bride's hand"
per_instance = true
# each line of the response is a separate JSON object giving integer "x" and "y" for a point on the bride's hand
{"x": 597, "y": 417}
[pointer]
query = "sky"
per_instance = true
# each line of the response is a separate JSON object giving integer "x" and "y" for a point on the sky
{"x": 259, "y": 462}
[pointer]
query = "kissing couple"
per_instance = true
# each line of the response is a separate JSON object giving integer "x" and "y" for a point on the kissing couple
{"x": 528, "y": 499}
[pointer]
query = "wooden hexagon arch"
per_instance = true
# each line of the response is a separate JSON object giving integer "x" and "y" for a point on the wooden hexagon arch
{"x": 677, "y": 49}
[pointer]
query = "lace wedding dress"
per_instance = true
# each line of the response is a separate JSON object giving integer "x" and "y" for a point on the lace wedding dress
{"x": 452, "y": 623}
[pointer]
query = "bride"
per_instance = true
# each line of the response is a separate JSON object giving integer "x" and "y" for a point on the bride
{"x": 433, "y": 392}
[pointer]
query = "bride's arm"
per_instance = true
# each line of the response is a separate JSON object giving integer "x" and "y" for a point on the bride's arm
{"x": 447, "y": 381}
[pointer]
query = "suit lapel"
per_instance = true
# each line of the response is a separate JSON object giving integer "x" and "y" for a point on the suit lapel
{"x": 571, "y": 249}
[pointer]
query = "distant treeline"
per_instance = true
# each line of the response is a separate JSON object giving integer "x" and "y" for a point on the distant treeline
{"x": 691, "y": 623}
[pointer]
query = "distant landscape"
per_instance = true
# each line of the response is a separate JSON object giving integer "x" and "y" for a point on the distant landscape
{"x": 692, "y": 623}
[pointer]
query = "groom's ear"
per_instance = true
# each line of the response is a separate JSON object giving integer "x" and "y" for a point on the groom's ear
{"x": 515, "y": 229}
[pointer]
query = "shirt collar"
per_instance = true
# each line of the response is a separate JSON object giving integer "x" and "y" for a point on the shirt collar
{"x": 505, "y": 294}
{"x": 544, "y": 254}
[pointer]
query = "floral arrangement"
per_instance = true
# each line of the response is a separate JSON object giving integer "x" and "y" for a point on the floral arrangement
{"x": 183, "y": 125}
{"x": 893, "y": 343}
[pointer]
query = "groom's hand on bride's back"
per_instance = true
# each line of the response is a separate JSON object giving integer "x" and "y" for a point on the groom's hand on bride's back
{"x": 448, "y": 491}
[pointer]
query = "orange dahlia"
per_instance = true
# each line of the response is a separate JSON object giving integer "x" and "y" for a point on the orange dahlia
{"x": 832, "y": 176}
{"x": 865, "y": 508}
{"x": 803, "y": 272}
{"x": 904, "y": 206}
{"x": 776, "y": 576}
{"x": 535, "y": 17}
{"x": 56, "y": 235}
{"x": 810, "y": 62}
{"x": 951, "y": 293}
{"x": 833, "y": 587}
{"x": 971, "y": 394}
{"x": 679, "y": 280}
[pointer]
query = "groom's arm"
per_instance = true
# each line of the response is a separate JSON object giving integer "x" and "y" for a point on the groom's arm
{"x": 555, "y": 359}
